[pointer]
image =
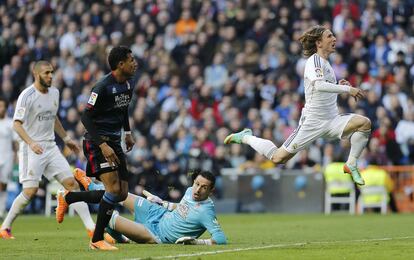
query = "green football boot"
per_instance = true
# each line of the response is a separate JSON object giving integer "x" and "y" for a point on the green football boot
{"x": 356, "y": 176}
{"x": 236, "y": 138}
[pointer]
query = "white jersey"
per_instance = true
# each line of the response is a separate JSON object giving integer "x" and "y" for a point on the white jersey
{"x": 321, "y": 105}
{"x": 6, "y": 140}
{"x": 38, "y": 112}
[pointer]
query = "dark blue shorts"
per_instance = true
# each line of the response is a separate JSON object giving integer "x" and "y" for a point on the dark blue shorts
{"x": 97, "y": 163}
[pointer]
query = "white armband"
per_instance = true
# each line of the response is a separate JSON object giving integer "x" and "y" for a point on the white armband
{"x": 127, "y": 132}
{"x": 67, "y": 139}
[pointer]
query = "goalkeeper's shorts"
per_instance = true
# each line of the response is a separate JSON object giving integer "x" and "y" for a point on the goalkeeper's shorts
{"x": 149, "y": 214}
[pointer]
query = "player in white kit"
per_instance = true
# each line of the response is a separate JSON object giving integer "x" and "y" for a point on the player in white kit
{"x": 320, "y": 116}
{"x": 7, "y": 138}
{"x": 36, "y": 122}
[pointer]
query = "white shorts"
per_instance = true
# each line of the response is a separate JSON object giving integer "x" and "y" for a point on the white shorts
{"x": 6, "y": 168}
{"x": 310, "y": 129}
{"x": 50, "y": 163}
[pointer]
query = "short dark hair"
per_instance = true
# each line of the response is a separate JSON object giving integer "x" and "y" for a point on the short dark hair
{"x": 3, "y": 99}
{"x": 205, "y": 174}
{"x": 39, "y": 64}
{"x": 116, "y": 55}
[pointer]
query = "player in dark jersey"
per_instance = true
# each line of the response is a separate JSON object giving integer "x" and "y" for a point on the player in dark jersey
{"x": 104, "y": 118}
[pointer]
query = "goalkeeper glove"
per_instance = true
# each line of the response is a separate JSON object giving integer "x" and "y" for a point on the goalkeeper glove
{"x": 193, "y": 241}
{"x": 151, "y": 197}
{"x": 155, "y": 199}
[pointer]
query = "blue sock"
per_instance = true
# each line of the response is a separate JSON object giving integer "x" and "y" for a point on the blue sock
{"x": 96, "y": 186}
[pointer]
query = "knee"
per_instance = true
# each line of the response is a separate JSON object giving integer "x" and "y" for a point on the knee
{"x": 116, "y": 190}
{"x": 115, "y": 197}
{"x": 29, "y": 193}
{"x": 123, "y": 196}
{"x": 367, "y": 124}
{"x": 279, "y": 160}
{"x": 70, "y": 184}
{"x": 362, "y": 124}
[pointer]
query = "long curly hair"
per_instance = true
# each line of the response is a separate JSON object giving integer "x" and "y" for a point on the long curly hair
{"x": 309, "y": 38}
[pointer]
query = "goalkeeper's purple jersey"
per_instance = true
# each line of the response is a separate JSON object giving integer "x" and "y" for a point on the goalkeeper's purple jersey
{"x": 191, "y": 218}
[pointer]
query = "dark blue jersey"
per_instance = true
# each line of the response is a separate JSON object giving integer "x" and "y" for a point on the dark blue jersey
{"x": 106, "y": 112}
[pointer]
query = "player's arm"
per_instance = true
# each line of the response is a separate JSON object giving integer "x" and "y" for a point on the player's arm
{"x": 65, "y": 137}
{"x": 95, "y": 102}
{"x": 129, "y": 140}
{"x": 213, "y": 227}
{"x": 19, "y": 117}
{"x": 18, "y": 127}
{"x": 325, "y": 86}
{"x": 209, "y": 221}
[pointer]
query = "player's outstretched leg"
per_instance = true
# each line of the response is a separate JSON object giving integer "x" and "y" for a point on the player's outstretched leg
{"x": 263, "y": 146}
{"x": 86, "y": 182}
{"x": 237, "y": 138}
{"x": 119, "y": 238}
{"x": 81, "y": 177}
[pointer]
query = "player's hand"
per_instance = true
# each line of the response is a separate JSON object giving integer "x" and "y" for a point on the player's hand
{"x": 344, "y": 82}
{"x": 186, "y": 241}
{"x": 129, "y": 141}
{"x": 73, "y": 146}
{"x": 356, "y": 93}
{"x": 36, "y": 148}
{"x": 109, "y": 154}
{"x": 151, "y": 197}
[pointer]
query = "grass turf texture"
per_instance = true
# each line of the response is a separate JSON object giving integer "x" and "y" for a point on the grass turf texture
{"x": 369, "y": 236}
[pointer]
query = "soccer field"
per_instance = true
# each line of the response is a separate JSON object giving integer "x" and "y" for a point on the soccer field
{"x": 250, "y": 236}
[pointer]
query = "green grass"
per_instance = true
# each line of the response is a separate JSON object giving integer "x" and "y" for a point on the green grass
{"x": 289, "y": 237}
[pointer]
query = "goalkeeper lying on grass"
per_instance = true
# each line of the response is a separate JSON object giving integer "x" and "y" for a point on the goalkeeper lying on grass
{"x": 158, "y": 221}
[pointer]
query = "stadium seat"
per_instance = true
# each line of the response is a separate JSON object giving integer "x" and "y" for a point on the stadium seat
{"x": 340, "y": 188}
{"x": 372, "y": 197}
{"x": 51, "y": 190}
{"x": 374, "y": 193}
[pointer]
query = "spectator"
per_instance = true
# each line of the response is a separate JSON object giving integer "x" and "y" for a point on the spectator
{"x": 219, "y": 66}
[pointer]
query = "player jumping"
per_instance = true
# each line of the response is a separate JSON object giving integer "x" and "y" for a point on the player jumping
{"x": 320, "y": 116}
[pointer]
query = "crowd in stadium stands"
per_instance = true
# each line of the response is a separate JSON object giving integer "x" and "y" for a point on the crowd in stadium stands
{"x": 207, "y": 68}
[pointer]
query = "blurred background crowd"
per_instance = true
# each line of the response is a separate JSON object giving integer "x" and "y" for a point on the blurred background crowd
{"x": 207, "y": 68}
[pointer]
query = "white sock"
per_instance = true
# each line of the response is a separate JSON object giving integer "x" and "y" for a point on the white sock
{"x": 19, "y": 203}
{"x": 358, "y": 142}
{"x": 263, "y": 146}
{"x": 112, "y": 221}
{"x": 83, "y": 211}
{"x": 3, "y": 198}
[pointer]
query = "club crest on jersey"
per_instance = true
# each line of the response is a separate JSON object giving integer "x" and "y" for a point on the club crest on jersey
{"x": 93, "y": 98}
{"x": 113, "y": 90}
{"x": 318, "y": 72}
{"x": 20, "y": 112}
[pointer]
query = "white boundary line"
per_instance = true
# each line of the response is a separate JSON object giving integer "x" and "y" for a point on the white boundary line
{"x": 273, "y": 246}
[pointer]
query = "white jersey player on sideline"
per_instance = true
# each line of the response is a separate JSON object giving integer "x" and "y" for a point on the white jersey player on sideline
{"x": 320, "y": 116}
{"x": 36, "y": 122}
{"x": 7, "y": 138}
